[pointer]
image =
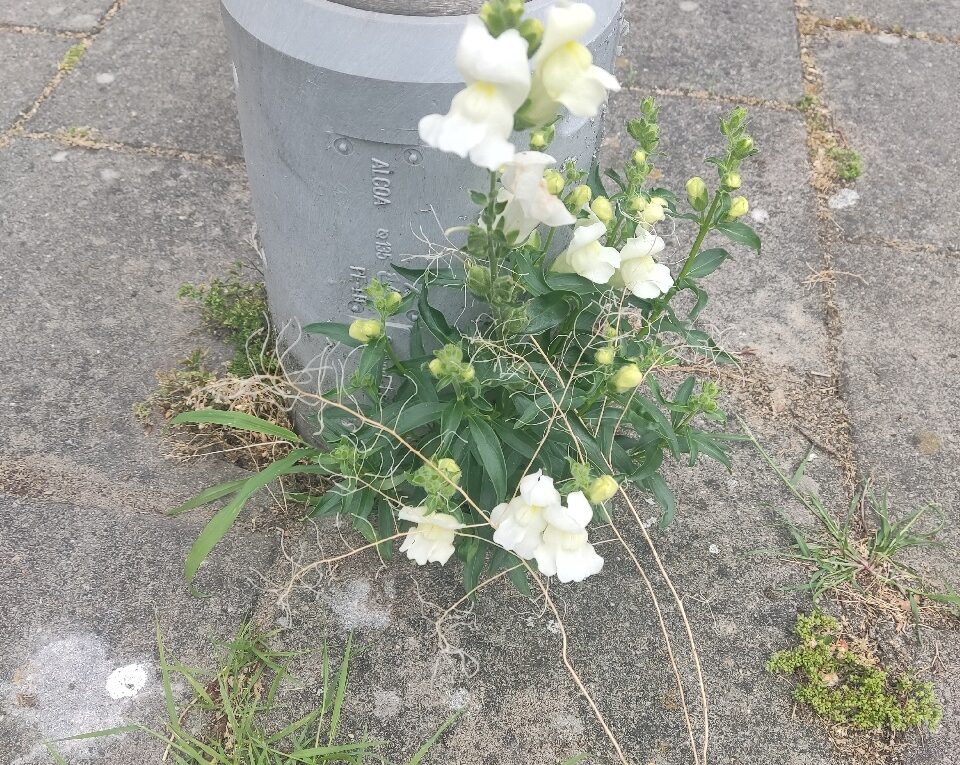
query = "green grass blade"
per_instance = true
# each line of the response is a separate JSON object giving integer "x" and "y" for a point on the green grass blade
{"x": 422, "y": 751}
{"x": 238, "y": 420}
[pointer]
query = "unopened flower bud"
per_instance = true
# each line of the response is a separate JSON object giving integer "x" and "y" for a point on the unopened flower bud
{"x": 602, "y": 489}
{"x": 449, "y": 468}
{"x": 738, "y": 207}
{"x": 639, "y": 156}
{"x": 605, "y": 356}
{"x": 609, "y": 331}
{"x": 531, "y": 30}
{"x": 745, "y": 144}
{"x": 555, "y": 182}
{"x": 579, "y": 197}
{"x": 697, "y": 193}
{"x": 391, "y": 302}
{"x": 653, "y": 212}
{"x": 467, "y": 373}
{"x": 602, "y": 209}
{"x": 636, "y": 204}
{"x": 436, "y": 367}
{"x": 538, "y": 140}
{"x": 626, "y": 378}
{"x": 365, "y": 330}
{"x": 732, "y": 180}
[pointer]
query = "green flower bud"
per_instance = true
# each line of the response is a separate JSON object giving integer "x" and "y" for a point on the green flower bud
{"x": 467, "y": 373}
{"x": 449, "y": 468}
{"x": 602, "y": 209}
{"x": 436, "y": 367}
{"x": 478, "y": 280}
{"x": 391, "y": 302}
{"x": 602, "y": 489}
{"x": 639, "y": 156}
{"x": 732, "y": 181}
{"x": 538, "y": 140}
{"x": 744, "y": 145}
{"x": 609, "y": 331}
{"x": 636, "y": 204}
{"x": 531, "y": 30}
{"x": 605, "y": 356}
{"x": 555, "y": 182}
{"x": 738, "y": 207}
{"x": 365, "y": 330}
{"x": 697, "y": 193}
{"x": 534, "y": 239}
{"x": 579, "y": 198}
{"x": 627, "y": 378}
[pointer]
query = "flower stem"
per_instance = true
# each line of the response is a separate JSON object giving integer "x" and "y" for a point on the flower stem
{"x": 394, "y": 358}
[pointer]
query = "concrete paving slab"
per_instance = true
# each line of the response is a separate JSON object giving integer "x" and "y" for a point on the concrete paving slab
{"x": 905, "y": 127}
{"x": 901, "y": 364}
{"x": 84, "y": 592}
{"x": 95, "y": 247}
{"x": 901, "y": 360}
{"x": 27, "y": 62}
{"x": 67, "y": 15}
{"x": 744, "y": 47}
{"x": 147, "y": 81}
{"x": 931, "y": 16}
{"x": 757, "y": 302}
{"x": 501, "y": 664}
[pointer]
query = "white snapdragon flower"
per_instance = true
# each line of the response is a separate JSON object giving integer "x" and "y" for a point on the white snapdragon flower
{"x": 564, "y": 72}
{"x": 520, "y": 522}
{"x": 639, "y": 272}
{"x": 564, "y": 549}
{"x": 586, "y": 256}
{"x": 480, "y": 119}
{"x": 431, "y": 540}
{"x": 529, "y": 202}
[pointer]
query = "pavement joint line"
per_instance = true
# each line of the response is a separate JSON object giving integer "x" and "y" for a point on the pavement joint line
{"x": 705, "y": 95}
{"x": 31, "y": 29}
{"x": 119, "y": 147}
{"x": 903, "y": 245}
{"x": 814, "y": 24}
{"x": 821, "y": 135}
{"x": 85, "y": 39}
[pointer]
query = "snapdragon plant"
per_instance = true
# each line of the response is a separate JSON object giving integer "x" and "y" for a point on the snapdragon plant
{"x": 505, "y": 436}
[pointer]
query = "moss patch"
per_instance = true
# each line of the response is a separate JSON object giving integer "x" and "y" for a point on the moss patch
{"x": 843, "y": 682}
{"x": 72, "y": 57}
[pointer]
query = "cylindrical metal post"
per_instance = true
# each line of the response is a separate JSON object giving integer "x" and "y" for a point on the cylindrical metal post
{"x": 329, "y": 98}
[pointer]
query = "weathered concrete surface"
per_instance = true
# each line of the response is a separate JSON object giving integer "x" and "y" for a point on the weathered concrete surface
{"x": 905, "y": 126}
{"x": 68, "y": 15}
{"x": 520, "y": 706}
{"x": 900, "y": 366}
{"x": 756, "y": 302}
{"x": 746, "y": 47}
{"x": 27, "y": 62}
{"x": 95, "y": 247}
{"x": 146, "y": 81}
{"x": 932, "y": 16}
{"x": 87, "y": 589}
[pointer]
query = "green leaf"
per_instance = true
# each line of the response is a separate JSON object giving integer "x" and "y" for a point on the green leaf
{"x": 486, "y": 447}
{"x": 422, "y": 751}
{"x": 220, "y": 524}
{"x": 547, "y": 311}
{"x": 238, "y": 420}
{"x": 740, "y": 233}
{"x": 570, "y": 283}
{"x": 707, "y": 261}
{"x": 208, "y": 495}
{"x": 418, "y": 415}
{"x": 473, "y": 566}
{"x": 334, "y": 330}
{"x": 595, "y": 182}
{"x": 664, "y": 497}
{"x": 435, "y": 321}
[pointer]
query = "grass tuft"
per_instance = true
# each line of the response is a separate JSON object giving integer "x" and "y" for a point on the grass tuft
{"x": 230, "y": 718}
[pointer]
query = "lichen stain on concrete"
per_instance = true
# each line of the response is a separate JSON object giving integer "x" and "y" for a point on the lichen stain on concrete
{"x": 69, "y": 687}
{"x": 354, "y": 607}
